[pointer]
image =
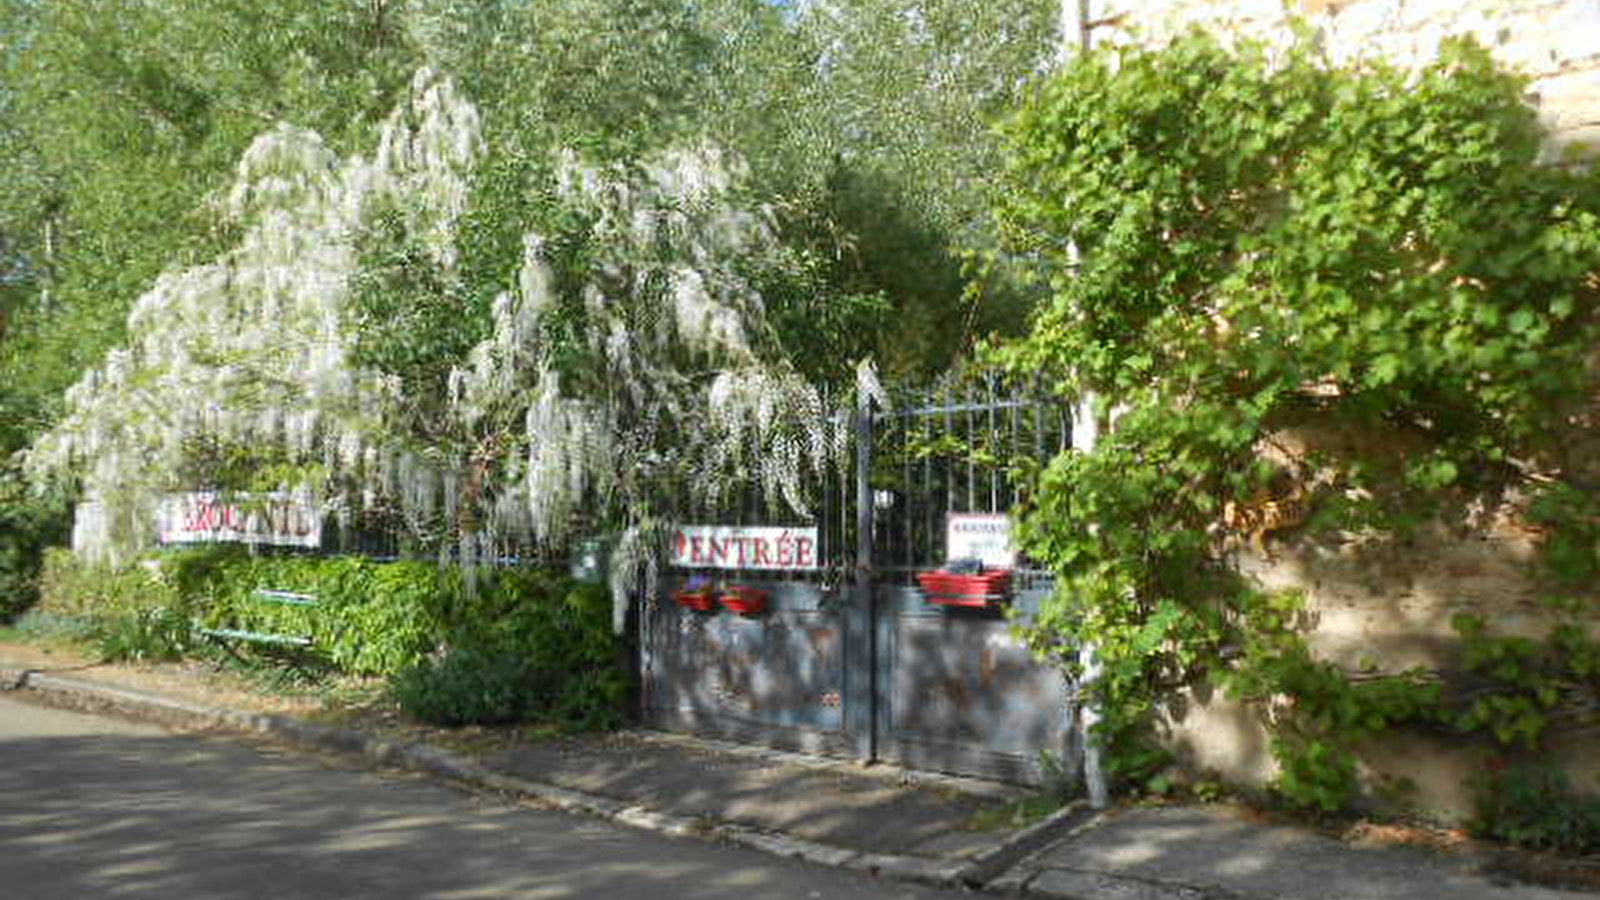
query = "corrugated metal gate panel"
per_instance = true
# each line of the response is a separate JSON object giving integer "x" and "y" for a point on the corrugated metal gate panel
{"x": 961, "y": 693}
{"x": 776, "y": 678}
{"x": 955, "y": 691}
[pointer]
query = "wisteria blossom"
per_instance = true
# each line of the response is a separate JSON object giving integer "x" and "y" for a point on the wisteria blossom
{"x": 672, "y": 386}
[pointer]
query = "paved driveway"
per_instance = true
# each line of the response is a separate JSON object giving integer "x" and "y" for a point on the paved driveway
{"x": 94, "y": 807}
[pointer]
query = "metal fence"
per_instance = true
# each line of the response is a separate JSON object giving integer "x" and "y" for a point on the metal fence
{"x": 853, "y": 658}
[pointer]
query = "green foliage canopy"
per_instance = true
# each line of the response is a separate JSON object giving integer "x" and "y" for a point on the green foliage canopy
{"x": 123, "y": 119}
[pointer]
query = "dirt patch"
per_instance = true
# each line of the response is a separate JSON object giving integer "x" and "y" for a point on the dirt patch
{"x": 1573, "y": 873}
{"x": 1564, "y": 872}
{"x": 1381, "y": 834}
{"x": 348, "y": 702}
{"x": 196, "y": 682}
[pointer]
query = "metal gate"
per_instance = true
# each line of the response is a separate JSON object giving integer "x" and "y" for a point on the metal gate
{"x": 853, "y": 659}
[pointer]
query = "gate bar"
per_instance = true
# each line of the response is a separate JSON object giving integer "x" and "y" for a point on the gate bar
{"x": 861, "y": 672}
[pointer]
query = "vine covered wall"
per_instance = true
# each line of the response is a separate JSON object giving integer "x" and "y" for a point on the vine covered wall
{"x": 1394, "y": 606}
{"x": 1341, "y": 317}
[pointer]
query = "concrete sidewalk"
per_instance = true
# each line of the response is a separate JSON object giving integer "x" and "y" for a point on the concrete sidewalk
{"x": 1215, "y": 852}
{"x": 879, "y": 810}
{"x": 896, "y": 824}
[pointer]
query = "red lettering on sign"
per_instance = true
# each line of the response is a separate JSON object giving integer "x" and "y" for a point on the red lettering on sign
{"x": 744, "y": 547}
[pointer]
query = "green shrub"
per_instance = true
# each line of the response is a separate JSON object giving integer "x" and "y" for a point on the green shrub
{"x": 526, "y": 643}
{"x": 139, "y": 612}
{"x": 561, "y": 629}
{"x": 145, "y": 635}
{"x": 549, "y": 633}
{"x": 71, "y": 586}
{"x": 197, "y": 573}
{"x": 1534, "y": 805}
{"x": 28, "y": 524}
{"x": 39, "y": 625}
{"x": 370, "y": 618}
{"x": 467, "y": 686}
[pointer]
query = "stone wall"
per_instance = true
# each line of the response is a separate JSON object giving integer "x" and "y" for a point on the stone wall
{"x": 1556, "y": 43}
{"x": 1385, "y": 606}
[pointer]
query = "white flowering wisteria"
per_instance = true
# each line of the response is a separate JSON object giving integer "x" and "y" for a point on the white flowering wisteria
{"x": 251, "y": 351}
{"x": 642, "y": 378}
{"x": 668, "y": 390}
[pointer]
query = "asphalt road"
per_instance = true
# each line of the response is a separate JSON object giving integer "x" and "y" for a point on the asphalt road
{"x": 95, "y": 807}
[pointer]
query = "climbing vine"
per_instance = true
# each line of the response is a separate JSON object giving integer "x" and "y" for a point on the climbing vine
{"x": 1237, "y": 248}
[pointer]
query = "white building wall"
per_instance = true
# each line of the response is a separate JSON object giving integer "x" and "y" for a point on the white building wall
{"x": 1555, "y": 43}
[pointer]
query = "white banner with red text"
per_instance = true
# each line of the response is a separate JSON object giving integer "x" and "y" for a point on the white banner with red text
{"x": 276, "y": 519}
{"x": 744, "y": 547}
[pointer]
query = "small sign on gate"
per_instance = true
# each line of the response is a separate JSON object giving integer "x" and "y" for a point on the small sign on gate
{"x": 980, "y": 536}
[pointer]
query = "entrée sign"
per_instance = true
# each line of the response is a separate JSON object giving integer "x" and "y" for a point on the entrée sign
{"x": 739, "y": 547}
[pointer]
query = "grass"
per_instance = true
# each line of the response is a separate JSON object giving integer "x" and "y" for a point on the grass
{"x": 1015, "y": 814}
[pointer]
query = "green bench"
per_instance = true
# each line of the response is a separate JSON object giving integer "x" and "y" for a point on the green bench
{"x": 229, "y": 638}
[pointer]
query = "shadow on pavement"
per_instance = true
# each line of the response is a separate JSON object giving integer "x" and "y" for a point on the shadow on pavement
{"x": 828, "y": 804}
{"x": 179, "y": 816}
{"x": 1225, "y": 850}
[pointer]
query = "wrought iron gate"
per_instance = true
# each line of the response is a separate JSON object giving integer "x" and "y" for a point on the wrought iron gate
{"x": 853, "y": 659}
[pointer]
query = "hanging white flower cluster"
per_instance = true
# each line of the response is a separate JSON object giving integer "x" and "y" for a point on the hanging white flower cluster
{"x": 252, "y": 350}
{"x": 642, "y": 380}
{"x": 669, "y": 385}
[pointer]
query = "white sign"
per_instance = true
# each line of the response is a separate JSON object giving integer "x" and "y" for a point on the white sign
{"x": 740, "y": 547}
{"x": 982, "y": 536}
{"x": 281, "y": 520}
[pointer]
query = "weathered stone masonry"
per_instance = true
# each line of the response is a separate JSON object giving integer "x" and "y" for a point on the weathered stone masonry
{"x": 1556, "y": 43}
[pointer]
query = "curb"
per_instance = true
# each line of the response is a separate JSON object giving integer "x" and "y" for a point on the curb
{"x": 1059, "y": 883}
{"x": 1072, "y": 884}
{"x": 975, "y": 873}
{"x": 994, "y": 863}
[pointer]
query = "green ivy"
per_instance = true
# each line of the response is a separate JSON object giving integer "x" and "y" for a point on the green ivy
{"x": 1535, "y": 805}
{"x": 1235, "y": 246}
{"x": 1320, "y": 713}
{"x": 1523, "y": 683}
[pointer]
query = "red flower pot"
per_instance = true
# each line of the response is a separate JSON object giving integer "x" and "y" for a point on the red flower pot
{"x": 701, "y": 600}
{"x": 746, "y": 601}
{"x": 951, "y": 589}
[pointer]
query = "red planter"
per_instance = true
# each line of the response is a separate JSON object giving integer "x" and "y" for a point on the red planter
{"x": 950, "y": 589}
{"x": 702, "y": 600}
{"x": 746, "y": 601}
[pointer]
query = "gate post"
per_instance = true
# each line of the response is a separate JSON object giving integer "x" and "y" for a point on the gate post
{"x": 860, "y": 663}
